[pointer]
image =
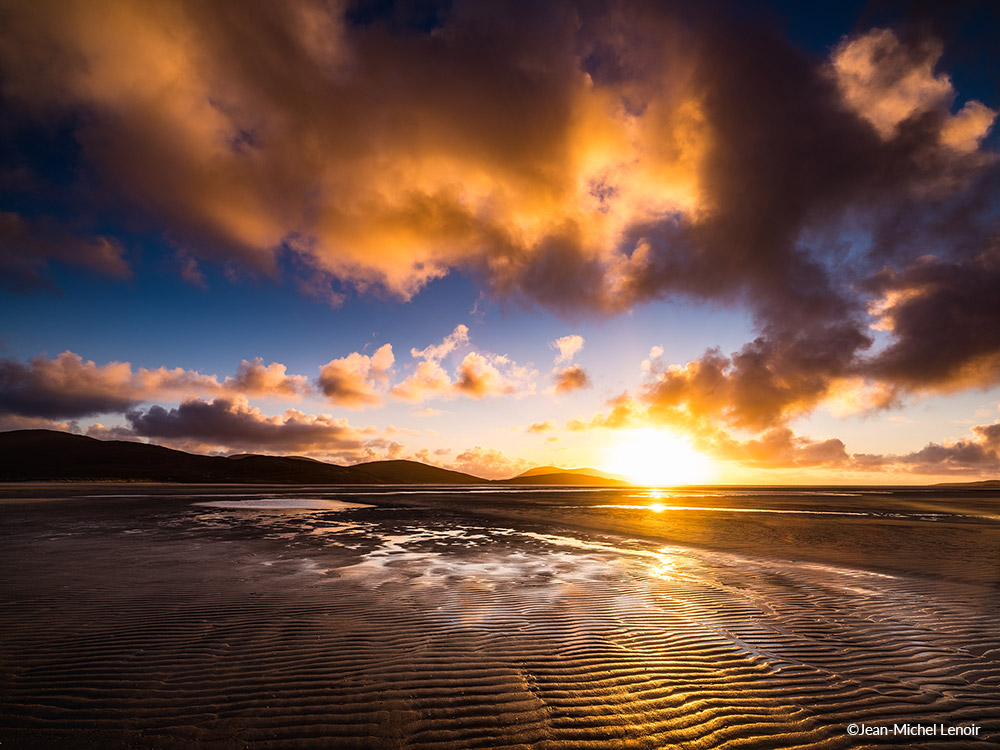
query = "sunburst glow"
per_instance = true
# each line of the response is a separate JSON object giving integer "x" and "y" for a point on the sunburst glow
{"x": 657, "y": 458}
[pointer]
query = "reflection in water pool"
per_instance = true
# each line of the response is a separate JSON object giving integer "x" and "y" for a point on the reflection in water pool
{"x": 284, "y": 503}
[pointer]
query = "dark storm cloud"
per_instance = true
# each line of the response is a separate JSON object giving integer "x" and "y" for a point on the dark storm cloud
{"x": 795, "y": 155}
{"x": 944, "y": 316}
{"x": 66, "y": 387}
{"x": 69, "y": 387}
{"x": 233, "y": 423}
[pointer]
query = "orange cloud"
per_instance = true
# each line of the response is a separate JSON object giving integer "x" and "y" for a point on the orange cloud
{"x": 428, "y": 381}
{"x": 357, "y": 380}
{"x": 571, "y": 379}
{"x": 18, "y": 422}
{"x": 436, "y": 352}
{"x": 568, "y": 347}
{"x": 587, "y": 157}
{"x": 279, "y": 134}
{"x": 479, "y": 374}
{"x": 624, "y": 413}
{"x": 635, "y": 152}
{"x": 488, "y": 463}
{"x": 889, "y": 83}
{"x": 66, "y": 386}
{"x": 257, "y": 379}
{"x": 478, "y": 378}
{"x": 781, "y": 448}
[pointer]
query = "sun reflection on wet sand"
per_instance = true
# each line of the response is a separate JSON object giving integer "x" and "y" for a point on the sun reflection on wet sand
{"x": 489, "y": 630}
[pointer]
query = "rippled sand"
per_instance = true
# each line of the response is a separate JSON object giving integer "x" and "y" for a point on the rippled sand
{"x": 255, "y": 617}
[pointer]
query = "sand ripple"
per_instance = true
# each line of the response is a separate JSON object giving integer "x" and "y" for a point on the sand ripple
{"x": 361, "y": 630}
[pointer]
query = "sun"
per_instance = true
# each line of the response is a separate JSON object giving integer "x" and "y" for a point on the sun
{"x": 657, "y": 458}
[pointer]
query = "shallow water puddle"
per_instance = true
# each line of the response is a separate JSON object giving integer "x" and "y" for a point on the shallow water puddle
{"x": 284, "y": 503}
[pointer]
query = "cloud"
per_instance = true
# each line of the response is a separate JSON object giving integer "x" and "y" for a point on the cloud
{"x": 488, "y": 463}
{"x": 624, "y": 413}
{"x": 427, "y": 412}
{"x": 944, "y": 323}
{"x": 888, "y": 83}
{"x": 69, "y": 387}
{"x": 479, "y": 374}
{"x": 571, "y": 379}
{"x": 538, "y": 427}
{"x": 655, "y": 353}
{"x": 763, "y": 385}
{"x": 568, "y": 347}
{"x": 432, "y": 458}
{"x": 113, "y": 432}
{"x": 257, "y": 379}
{"x": 973, "y": 455}
{"x": 428, "y": 381}
{"x": 393, "y": 430}
{"x": 190, "y": 271}
{"x": 28, "y": 246}
{"x": 670, "y": 153}
{"x": 233, "y": 424}
{"x": 317, "y": 283}
{"x": 770, "y": 448}
{"x": 17, "y": 422}
{"x": 436, "y": 352}
{"x": 781, "y": 448}
{"x": 654, "y": 165}
{"x": 778, "y": 447}
{"x": 357, "y": 380}
{"x": 477, "y": 378}
{"x": 65, "y": 387}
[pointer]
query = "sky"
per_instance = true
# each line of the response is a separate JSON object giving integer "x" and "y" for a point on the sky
{"x": 684, "y": 242}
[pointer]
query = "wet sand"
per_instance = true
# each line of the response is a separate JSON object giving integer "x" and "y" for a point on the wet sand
{"x": 224, "y": 616}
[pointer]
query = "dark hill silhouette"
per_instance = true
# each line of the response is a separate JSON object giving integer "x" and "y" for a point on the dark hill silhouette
{"x": 987, "y": 484}
{"x": 566, "y": 478}
{"x": 542, "y": 470}
{"x": 40, "y": 455}
{"x": 409, "y": 472}
{"x": 47, "y": 455}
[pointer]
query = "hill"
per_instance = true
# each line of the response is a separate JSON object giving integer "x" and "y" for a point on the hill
{"x": 46, "y": 455}
{"x": 549, "y": 470}
{"x": 560, "y": 477}
{"x": 982, "y": 484}
{"x": 414, "y": 472}
{"x": 40, "y": 455}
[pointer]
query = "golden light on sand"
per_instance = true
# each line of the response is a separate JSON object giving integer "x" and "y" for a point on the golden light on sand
{"x": 657, "y": 458}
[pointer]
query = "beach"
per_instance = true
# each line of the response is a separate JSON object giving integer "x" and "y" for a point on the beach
{"x": 428, "y": 617}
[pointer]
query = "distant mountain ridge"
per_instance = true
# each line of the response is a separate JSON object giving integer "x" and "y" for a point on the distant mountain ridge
{"x": 414, "y": 472}
{"x": 565, "y": 478}
{"x": 983, "y": 483}
{"x": 48, "y": 455}
{"x": 39, "y": 455}
{"x": 545, "y": 470}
